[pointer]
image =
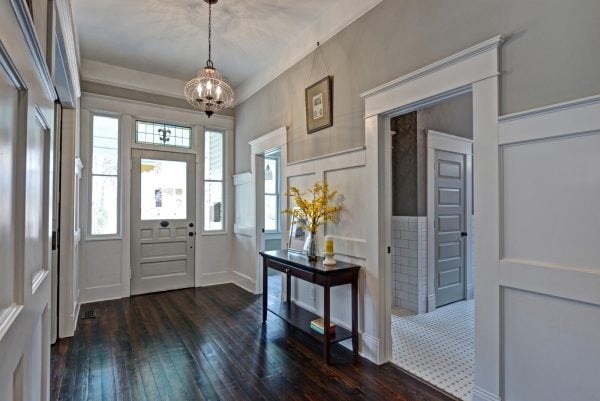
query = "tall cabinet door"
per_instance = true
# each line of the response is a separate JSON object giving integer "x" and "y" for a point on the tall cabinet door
{"x": 26, "y": 142}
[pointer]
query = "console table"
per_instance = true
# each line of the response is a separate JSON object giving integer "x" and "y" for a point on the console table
{"x": 297, "y": 265}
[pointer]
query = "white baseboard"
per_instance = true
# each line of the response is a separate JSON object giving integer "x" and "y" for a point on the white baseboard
{"x": 244, "y": 282}
{"x": 208, "y": 279}
{"x": 100, "y": 293}
{"x": 372, "y": 349}
{"x": 480, "y": 394}
{"x": 470, "y": 291}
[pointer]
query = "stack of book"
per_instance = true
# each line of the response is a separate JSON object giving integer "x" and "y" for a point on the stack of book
{"x": 319, "y": 326}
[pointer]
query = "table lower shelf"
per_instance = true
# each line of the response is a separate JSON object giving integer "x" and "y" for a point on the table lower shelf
{"x": 301, "y": 318}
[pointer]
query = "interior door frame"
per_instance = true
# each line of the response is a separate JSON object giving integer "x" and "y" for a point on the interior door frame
{"x": 448, "y": 143}
{"x": 193, "y": 206}
{"x": 276, "y": 139}
{"x": 474, "y": 69}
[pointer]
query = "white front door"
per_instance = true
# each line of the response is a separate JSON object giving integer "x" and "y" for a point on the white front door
{"x": 163, "y": 221}
{"x": 26, "y": 136}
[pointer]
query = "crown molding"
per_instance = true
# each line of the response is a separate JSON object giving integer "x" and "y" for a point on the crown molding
{"x": 113, "y": 75}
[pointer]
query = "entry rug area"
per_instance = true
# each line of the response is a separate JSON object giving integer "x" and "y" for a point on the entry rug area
{"x": 437, "y": 347}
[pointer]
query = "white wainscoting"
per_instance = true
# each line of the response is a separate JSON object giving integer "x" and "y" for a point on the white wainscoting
{"x": 549, "y": 271}
{"x": 346, "y": 173}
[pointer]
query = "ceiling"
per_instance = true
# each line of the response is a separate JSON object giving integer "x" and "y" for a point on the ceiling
{"x": 169, "y": 37}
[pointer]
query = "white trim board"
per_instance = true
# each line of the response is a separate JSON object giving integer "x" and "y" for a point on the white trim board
{"x": 452, "y": 74}
{"x": 276, "y": 139}
{"x": 475, "y": 69}
{"x": 574, "y": 117}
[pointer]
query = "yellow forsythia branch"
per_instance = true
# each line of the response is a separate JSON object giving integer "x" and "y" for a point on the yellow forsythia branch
{"x": 316, "y": 210}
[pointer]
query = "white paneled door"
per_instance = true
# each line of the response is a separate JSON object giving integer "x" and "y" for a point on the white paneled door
{"x": 26, "y": 137}
{"x": 163, "y": 221}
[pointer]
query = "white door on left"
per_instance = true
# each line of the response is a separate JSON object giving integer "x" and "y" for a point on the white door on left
{"x": 26, "y": 133}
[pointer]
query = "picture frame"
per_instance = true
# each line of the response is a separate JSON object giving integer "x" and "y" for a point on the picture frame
{"x": 297, "y": 235}
{"x": 319, "y": 105}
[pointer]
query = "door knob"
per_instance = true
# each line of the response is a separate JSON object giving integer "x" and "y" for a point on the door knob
{"x": 191, "y": 233}
{"x": 164, "y": 223}
{"x": 463, "y": 234}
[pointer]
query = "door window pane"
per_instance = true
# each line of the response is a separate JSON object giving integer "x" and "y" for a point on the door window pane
{"x": 213, "y": 206}
{"x": 163, "y": 189}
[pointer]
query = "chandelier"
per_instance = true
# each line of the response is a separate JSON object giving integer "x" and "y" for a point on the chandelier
{"x": 208, "y": 91}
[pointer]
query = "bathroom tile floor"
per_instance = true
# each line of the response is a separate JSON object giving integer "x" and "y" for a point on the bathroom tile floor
{"x": 437, "y": 347}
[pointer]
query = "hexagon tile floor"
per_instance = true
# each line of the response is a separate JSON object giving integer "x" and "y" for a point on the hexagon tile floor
{"x": 437, "y": 347}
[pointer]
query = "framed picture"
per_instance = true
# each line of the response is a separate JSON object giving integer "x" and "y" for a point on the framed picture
{"x": 297, "y": 234}
{"x": 319, "y": 105}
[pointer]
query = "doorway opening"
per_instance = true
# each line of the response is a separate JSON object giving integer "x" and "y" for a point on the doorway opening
{"x": 270, "y": 216}
{"x": 432, "y": 314}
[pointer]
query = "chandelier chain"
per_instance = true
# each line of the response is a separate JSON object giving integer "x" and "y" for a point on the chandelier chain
{"x": 209, "y": 33}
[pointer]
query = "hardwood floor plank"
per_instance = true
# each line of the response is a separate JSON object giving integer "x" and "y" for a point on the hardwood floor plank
{"x": 209, "y": 344}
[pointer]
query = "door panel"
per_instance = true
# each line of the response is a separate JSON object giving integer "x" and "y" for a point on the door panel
{"x": 26, "y": 121}
{"x": 449, "y": 224}
{"x": 163, "y": 219}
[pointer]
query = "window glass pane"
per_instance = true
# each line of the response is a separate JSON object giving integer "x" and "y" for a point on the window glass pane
{"x": 213, "y": 156}
{"x": 106, "y": 127}
{"x": 163, "y": 189}
{"x": 213, "y": 206}
{"x": 271, "y": 213}
{"x": 105, "y": 145}
{"x": 105, "y": 191}
{"x": 270, "y": 176}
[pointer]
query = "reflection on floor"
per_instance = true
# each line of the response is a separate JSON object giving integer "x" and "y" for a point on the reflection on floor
{"x": 437, "y": 347}
{"x": 274, "y": 286}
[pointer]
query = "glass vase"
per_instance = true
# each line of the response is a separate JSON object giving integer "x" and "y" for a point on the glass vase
{"x": 310, "y": 246}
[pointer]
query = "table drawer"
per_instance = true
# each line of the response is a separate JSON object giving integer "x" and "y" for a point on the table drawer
{"x": 292, "y": 271}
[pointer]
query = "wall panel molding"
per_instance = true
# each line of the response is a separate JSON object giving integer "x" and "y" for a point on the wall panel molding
{"x": 568, "y": 282}
{"x": 570, "y": 118}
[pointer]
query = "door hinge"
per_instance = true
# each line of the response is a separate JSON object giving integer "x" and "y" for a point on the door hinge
{"x": 389, "y": 249}
{"x": 129, "y": 274}
{"x": 54, "y": 240}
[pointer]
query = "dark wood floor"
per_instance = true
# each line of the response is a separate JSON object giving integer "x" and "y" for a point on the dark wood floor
{"x": 209, "y": 344}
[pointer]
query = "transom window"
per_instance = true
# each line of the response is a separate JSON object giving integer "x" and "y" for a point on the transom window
{"x": 163, "y": 135}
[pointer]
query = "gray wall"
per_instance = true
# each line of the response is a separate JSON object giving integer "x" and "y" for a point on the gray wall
{"x": 404, "y": 165}
{"x": 550, "y": 56}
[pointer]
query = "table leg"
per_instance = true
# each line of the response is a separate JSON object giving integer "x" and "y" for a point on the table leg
{"x": 265, "y": 290}
{"x": 326, "y": 320}
{"x": 355, "y": 314}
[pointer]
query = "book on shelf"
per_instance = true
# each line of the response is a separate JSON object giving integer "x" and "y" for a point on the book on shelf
{"x": 319, "y": 326}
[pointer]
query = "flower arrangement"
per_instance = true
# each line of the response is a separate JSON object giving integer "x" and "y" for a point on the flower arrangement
{"x": 315, "y": 211}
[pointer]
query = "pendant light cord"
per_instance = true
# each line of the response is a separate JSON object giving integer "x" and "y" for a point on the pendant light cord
{"x": 209, "y": 62}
